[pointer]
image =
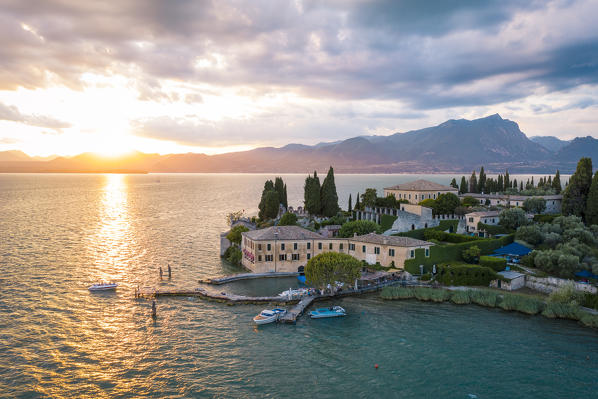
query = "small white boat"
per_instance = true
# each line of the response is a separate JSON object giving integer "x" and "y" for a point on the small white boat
{"x": 334, "y": 311}
{"x": 103, "y": 287}
{"x": 295, "y": 293}
{"x": 269, "y": 316}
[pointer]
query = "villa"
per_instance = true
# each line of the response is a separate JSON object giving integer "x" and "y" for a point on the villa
{"x": 472, "y": 219}
{"x": 553, "y": 202}
{"x": 418, "y": 190}
{"x": 289, "y": 248}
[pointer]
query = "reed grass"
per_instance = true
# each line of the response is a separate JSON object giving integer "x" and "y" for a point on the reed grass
{"x": 562, "y": 311}
{"x": 460, "y": 297}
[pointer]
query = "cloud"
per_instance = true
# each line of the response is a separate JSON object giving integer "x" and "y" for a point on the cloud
{"x": 12, "y": 113}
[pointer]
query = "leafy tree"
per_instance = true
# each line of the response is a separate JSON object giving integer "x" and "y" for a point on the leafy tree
{"x": 360, "y": 227}
{"x": 234, "y": 216}
{"x": 328, "y": 195}
{"x": 463, "y": 186}
{"x": 311, "y": 194}
{"x": 471, "y": 254}
{"x": 556, "y": 182}
{"x": 446, "y": 203}
{"x": 534, "y": 205}
{"x": 288, "y": 219}
{"x": 469, "y": 201}
{"x": 390, "y": 201}
{"x": 454, "y": 183}
{"x": 234, "y": 235}
{"x": 531, "y": 234}
{"x": 575, "y": 195}
{"x": 233, "y": 255}
{"x": 428, "y": 203}
{"x": 592, "y": 207}
{"x": 330, "y": 267}
{"x": 350, "y": 207}
{"x": 513, "y": 218}
{"x": 281, "y": 189}
{"x": 369, "y": 197}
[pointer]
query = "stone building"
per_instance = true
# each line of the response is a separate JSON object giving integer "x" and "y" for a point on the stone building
{"x": 287, "y": 248}
{"x": 473, "y": 218}
{"x": 418, "y": 190}
{"x": 553, "y": 202}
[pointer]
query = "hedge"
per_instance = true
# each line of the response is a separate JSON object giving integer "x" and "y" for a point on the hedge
{"x": 496, "y": 264}
{"x": 451, "y": 253}
{"x": 540, "y": 218}
{"x": 465, "y": 275}
{"x": 419, "y": 233}
{"x": 493, "y": 229}
{"x": 431, "y": 234}
{"x": 386, "y": 221}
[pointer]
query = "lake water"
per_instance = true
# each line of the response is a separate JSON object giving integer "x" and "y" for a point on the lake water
{"x": 59, "y": 233}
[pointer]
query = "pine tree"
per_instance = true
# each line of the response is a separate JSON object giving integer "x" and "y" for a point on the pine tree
{"x": 328, "y": 195}
{"x": 473, "y": 183}
{"x": 463, "y": 185}
{"x": 311, "y": 194}
{"x": 350, "y": 207}
{"x": 592, "y": 204}
{"x": 482, "y": 181}
{"x": 556, "y": 182}
{"x": 575, "y": 195}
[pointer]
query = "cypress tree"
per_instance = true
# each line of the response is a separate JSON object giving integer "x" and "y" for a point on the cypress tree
{"x": 482, "y": 181}
{"x": 454, "y": 183}
{"x": 284, "y": 197}
{"x": 499, "y": 184}
{"x": 463, "y": 186}
{"x": 268, "y": 186}
{"x": 311, "y": 194}
{"x": 280, "y": 188}
{"x": 515, "y": 184}
{"x": 350, "y": 207}
{"x": 521, "y": 186}
{"x": 592, "y": 204}
{"x": 473, "y": 183}
{"x": 271, "y": 204}
{"x": 328, "y": 195}
{"x": 507, "y": 180}
{"x": 575, "y": 195}
{"x": 357, "y": 204}
{"x": 556, "y": 182}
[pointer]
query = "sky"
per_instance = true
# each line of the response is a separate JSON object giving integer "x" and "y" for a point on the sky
{"x": 229, "y": 75}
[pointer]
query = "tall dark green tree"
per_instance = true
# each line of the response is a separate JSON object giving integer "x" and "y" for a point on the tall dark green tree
{"x": 271, "y": 205}
{"x": 328, "y": 195}
{"x": 500, "y": 184}
{"x": 350, "y": 207}
{"x": 281, "y": 189}
{"x": 357, "y": 204}
{"x": 592, "y": 204}
{"x": 482, "y": 181}
{"x": 575, "y": 196}
{"x": 369, "y": 197}
{"x": 463, "y": 186}
{"x": 454, "y": 183}
{"x": 268, "y": 186}
{"x": 311, "y": 194}
{"x": 507, "y": 182}
{"x": 473, "y": 183}
{"x": 556, "y": 182}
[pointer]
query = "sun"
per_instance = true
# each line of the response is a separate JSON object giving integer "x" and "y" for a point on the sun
{"x": 111, "y": 150}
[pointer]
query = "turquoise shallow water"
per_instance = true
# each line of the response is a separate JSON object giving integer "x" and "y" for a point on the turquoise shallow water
{"x": 61, "y": 232}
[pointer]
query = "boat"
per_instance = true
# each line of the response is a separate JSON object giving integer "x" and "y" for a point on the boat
{"x": 269, "y": 316}
{"x": 333, "y": 311}
{"x": 103, "y": 286}
{"x": 295, "y": 293}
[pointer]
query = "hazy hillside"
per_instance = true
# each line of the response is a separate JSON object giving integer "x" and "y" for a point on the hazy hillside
{"x": 551, "y": 143}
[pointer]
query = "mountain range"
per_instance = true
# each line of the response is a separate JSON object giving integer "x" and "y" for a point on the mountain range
{"x": 453, "y": 146}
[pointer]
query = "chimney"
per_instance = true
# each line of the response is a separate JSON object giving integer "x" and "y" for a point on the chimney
{"x": 354, "y": 234}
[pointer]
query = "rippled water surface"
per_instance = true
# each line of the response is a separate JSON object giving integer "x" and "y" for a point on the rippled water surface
{"x": 59, "y": 233}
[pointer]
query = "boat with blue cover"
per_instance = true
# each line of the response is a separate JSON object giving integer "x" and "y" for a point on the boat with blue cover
{"x": 333, "y": 311}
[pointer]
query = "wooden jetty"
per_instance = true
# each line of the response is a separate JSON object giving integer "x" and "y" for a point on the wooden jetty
{"x": 291, "y": 315}
{"x": 245, "y": 276}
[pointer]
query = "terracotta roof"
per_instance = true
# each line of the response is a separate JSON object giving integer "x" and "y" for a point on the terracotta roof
{"x": 282, "y": 233}
{"x": 374, "y": 238}
{"x": 483, "y": 214}
{"x": 421, "y": 185}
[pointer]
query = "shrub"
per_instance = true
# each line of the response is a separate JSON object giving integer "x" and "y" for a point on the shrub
{"x": 426, "y": 277}
{"x": 567, "y": 294}
{"x": 397, "y": 293}
{"x": 471, "y": 254}
{"x": 360, "y": 227}
{"x": 386, "y": 221}
{"x": 493, "y": 229}
{"x": 590, "y": 301}
{"x": 496, "y": 264}
{"x": 561, "y": 311}
{"x": 465, "y": 275}
{"x": 590, "y": 320}
{"x": 431, "y": 234}
{"x": 460, "y": 297}
{"x": 530, "y": 234}
{"x": 233, "y": 255}
{"x": 288, "y": 219}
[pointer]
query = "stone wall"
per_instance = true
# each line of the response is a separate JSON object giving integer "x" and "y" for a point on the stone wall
{"x": 549, "y": 284}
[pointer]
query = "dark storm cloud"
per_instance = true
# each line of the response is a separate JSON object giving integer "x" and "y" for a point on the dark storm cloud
{"x": 12, "y": 113}
{"x": 404, "y": 50}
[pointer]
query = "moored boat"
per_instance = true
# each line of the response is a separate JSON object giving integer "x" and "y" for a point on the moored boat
{"x": 103, "y": 286}
{"x": 269, "y": 316}
{"x": 333, "y": 311}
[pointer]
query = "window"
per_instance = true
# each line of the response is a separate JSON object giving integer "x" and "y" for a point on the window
{"x": 309, "y": 245}
{"x": 295, "y": 256}
{"x": 363, "y": 249}
{"x": 427, "y": 252}
{"x": 471, "y": 220}
{"x": 377, "y": 250}
{"x": 409, "y": 196}
{"x": 415, "y": 196}
{"x": 391, "y": 252}
{"x": 308, "y": 256}
{"x": 282, "y": 257}
{"x": 259, "y": 258}
{"x": 269, "y": 258}
{"x": 282, "y": 247}
{"x": 412, "y": 254}
{"x": 340, "y": 246}
{"x": 434, "y": 196}
{"x": 319, "y": 245}
{"x": 351, "y": 247}
{"x": 269, "y": 247}
{"x": 330, "y": 246}
{"x": 295, "y": 246}
{"x": 259, "y": 247}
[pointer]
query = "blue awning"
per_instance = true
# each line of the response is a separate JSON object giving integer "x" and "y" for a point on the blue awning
{"x": 586, "y": 274}
{"x": 513, "y": 249}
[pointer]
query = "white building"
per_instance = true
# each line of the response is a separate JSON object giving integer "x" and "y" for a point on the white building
{"x": 553, "y": 202}
{"x": 473, "y": 218}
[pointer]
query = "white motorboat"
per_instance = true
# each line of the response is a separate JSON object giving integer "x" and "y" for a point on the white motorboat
{"x": 295, "y": 293}
{"x": 269, "y": 316}
{"x": 334, "y": 311}
{"x": 103, "y": 286}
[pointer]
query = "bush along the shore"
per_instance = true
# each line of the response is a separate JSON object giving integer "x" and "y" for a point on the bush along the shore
{"x": 493, "y": 299}
{"x": 496, "y": 264}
